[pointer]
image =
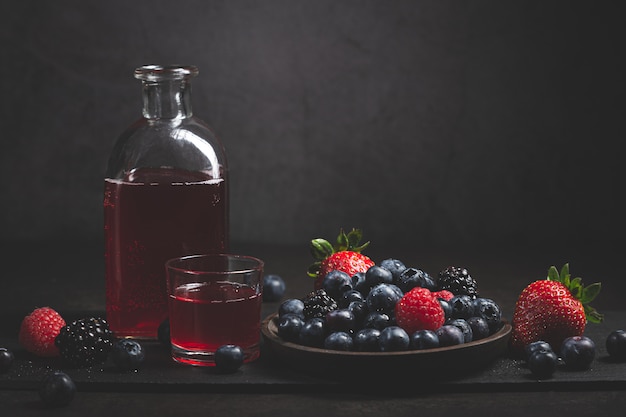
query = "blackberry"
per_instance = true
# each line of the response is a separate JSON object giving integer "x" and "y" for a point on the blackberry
{"x": 85, "y": 342}
{"x": 318, "y": 304}
{"x": 458, "y": 281}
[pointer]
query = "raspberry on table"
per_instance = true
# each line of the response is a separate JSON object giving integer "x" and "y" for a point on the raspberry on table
{"x": 39, "y": 330}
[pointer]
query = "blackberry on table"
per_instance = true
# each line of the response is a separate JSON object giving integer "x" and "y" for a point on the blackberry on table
{"x": 318, "y": 304}
{"x": 458, "y": 281}
{"x": 85, "y": 342}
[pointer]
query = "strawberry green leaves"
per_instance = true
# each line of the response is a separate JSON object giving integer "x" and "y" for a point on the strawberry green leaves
{"x": 322, "y": 249}
{"x": 584, "y": 294}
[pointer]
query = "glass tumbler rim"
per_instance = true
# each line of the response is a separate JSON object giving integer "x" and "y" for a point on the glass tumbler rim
{"x": 171, "y": 264}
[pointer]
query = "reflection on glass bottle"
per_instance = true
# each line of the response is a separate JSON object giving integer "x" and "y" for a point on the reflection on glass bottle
{"x": 165, "y": 195}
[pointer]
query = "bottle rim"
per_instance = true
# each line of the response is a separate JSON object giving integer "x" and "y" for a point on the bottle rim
{"x": 165, "y": 72}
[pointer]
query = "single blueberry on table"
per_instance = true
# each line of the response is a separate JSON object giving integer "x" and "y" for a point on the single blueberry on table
{"x": 228, "y": 358}
{"x": 578, "y": 352}
{"x": 424, "y": 339}
{"x": 6, "y": 360}
{"x": 273, "y": 287}
{"x": 542, "y": 363}
{"x": 536, "y": 346}
{"x": 616, "y": 345}
{"x": 57, "y": 389}
{"x": 291, "y": 306}
{"x": 127, "y": 354}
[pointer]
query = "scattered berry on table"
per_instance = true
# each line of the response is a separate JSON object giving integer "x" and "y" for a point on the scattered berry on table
{"x": 163, "y": 333}
{"x": 550, "y": 309}
{"x": 228, "y": 358}
{"x": 273, "y": 287}
{"x": 57, "y": 389}
{"x": 289, "y": 327}
{"x": 293, "y": 306}
{"x": 6, "y": 360}
{"x": 317, "y": 304}
{"x": 542, "y": 363}
{"x": 419, "y": 310}
{"x": 85, "y": 342}
{"x": 39, "y": 330}
{"x": 616, "y": 345}
{"x": 393, "y": 339}
{"x": 336, "y": 282}
{"x": 367, "y": 340}
{"x": 339, "y": 341}
{"x": 424, "y": 339}
{"x": 458, "y": 281}
{"x": 313, "y": 333}
{"x": 578, "y": 352}
{"x": 536, "y": 346}
{"x": 449, "y": 335}
{"x": 383, "y": 298}
{"x": 127, "y": 355}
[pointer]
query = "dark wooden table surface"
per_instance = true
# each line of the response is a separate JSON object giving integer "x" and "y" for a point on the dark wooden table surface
{"x": 70, "y": 278}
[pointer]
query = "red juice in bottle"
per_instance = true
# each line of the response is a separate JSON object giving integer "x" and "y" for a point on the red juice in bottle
{"x": 150, "y": 216}
{"x": 207, "y": 315}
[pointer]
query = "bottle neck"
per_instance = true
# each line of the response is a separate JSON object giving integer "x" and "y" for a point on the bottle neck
{"x": 166, "y": 99}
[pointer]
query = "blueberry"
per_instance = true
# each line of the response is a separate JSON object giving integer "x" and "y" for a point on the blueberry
{"x": 289, "y": 327}
{"x": 464, "y": 327}
{"x": 413, "y": 277}
{"x": 127, "y": 354}
{"x": 367, "y": 340}
{"x": 536, "y": 346}
{"x": 393, "y": 339}
{"x": 449, "y": 335}
{"x": 377, "y": 320}
{"x": 336, "y": 282}
{"x": 616, "y": 345}
{"x": 360, "y": 311}
{"x": 578, "y": 352}
{"x": 338, "y": 341}
{"x": 489, "y": 310}
{"x": 462, "y": 307}
{"x": 163, "y": 333}
{"x": 376, "y": 275}
{"x": 446, "y": 307}
{"x": 291, "y": 306}
{"x": 350, "y": 296}
{"x": 360, "y": 284}
{"x": 480, "y": 328}
{"x": 273, "y": 287}
{"x": 383, "y": 298}
{"x": 542, "y": 363}
{"x": 341, "y": 320}
{"x": 395, "y": 266}
{"x": 313, "y": 333}
{"x": 57, "y": 389}
{"x": 6, "y": 360}
{"x": 228, "y": 358}
{"x": 424, "y": 339}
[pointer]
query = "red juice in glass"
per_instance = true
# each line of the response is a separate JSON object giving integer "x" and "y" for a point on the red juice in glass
{"x": 207, "y": 315}
{"x": 150, "y": 216}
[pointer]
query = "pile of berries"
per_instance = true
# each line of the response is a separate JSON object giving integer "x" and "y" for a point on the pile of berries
{"x": 389, "y": 307}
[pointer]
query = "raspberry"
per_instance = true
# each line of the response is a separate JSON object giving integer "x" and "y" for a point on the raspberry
{"x": 417, "y": 310}
{"x": 445, "y": 294}
{"x": 38, "y": 331}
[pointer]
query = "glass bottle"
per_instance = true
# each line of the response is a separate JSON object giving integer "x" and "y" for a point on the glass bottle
{"x": 165, "y": 195}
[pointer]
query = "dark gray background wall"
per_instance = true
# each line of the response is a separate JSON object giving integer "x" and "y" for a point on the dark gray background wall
{"x": 446, "y": 123}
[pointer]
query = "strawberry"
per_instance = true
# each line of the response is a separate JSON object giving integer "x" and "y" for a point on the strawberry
{"x": 38, "y": 331}
{"x": 419, "y": 309}
{"x": 344, "y": 256}
{"x": 553, "y": 309}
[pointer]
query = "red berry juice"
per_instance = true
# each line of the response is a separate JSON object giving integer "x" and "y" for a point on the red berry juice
{"x": 150, "y": 216}
{"x": 207, "y": 315}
